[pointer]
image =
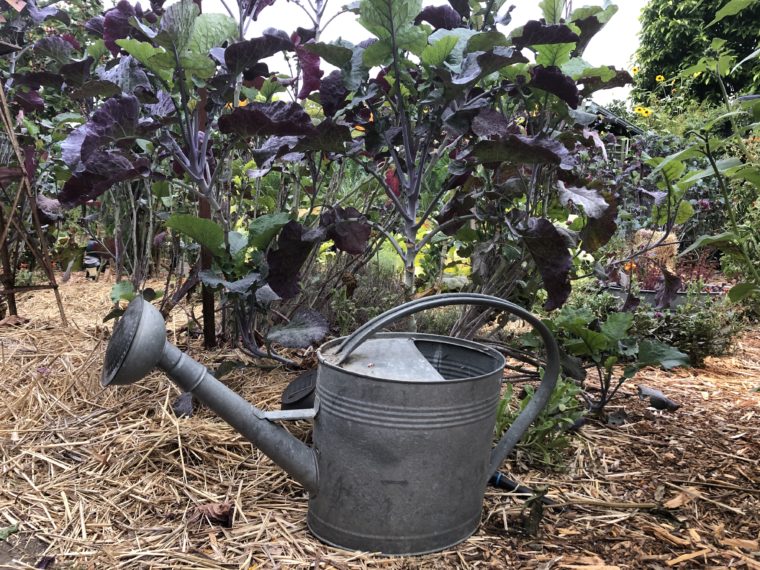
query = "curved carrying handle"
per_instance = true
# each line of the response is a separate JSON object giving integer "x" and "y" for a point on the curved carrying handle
{"x": 541, "y": 397}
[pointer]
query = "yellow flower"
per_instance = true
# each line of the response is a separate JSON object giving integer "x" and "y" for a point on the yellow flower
{"x": 647, "y": 112}
{"x": 520, "y": 120}
{"x": 639, "y": 110}
{"x": 659, "y": 78}
{"x": 635, "y": 69}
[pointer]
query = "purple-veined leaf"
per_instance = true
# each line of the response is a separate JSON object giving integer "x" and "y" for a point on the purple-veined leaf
{"x": 598, "y": 231}
{"x": 242, "y": 55}
{"x": 77, "y": 73}
{"x": 260, "y": 119}
{"x": 489, "y": 123}
{"x": 310, "y": 72}
{"x": 55, "y": 48}
{"x": 535, "y": 33}
{"x": 333, "y": 93}
{"x": 294, "y": 245}
{"x": 347, "y": 227}
{"x": 116, "y": 25}
{"x": 440, "y": 17}
{"x": 552, "y": 79}
{"x": 30, "y": 101}
{"x": 523, "y": 149}
{"x": 549, "y": 249}
{"x": 113, "y": 167}
{"x": 95, "y": 26}
{"x": 479, "y": 64}
{"x": 592, "y": 203}
{"x": 305, "y": 328}
{"x": 36, "y": 79}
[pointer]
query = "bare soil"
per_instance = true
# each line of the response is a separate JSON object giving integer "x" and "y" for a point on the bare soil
{"x": 112, "y": 478}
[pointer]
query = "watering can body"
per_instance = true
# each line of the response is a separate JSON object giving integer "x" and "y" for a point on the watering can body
{"x": 397, "y": 466}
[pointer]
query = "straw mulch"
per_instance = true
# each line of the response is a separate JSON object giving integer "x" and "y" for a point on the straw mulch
{"x": 111, "y": 478}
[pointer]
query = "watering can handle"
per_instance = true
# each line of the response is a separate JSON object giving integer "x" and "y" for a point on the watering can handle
{"x": 541, "y": 397}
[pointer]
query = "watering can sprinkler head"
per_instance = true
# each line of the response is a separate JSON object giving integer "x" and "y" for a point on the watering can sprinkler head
{"x": 136, "y": 346}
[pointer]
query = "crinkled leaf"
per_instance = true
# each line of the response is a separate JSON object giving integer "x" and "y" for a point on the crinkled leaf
{"x": 274, "y": 148}
{"x": 242, "y": 55}
{"x": 107, "y": 168}
{"x": 259, "y": 119}
{"x": 652, "y": 352}
{"x": 50, "y": 209}
{"x": 238, "y": 287}
{"x": 144, "y": 52}
{"x": 116, "y": 25}
{"x": 294, "y": 245}
{"x": 553, "y": 10}
{"x": 122, "y": 291}
{"x": 333, "y": 93}
{"x": 36, "y": 79}
{"x": 552, "y": 79}
{"x": 306, "y": 328}
{"x": 128, "y": 75}
{"x": 549, "y": 249}
{"x": 592, "y": 203}
{"x": 262, "y": 230}
{"x": 203, "y": 231}
{"x": 210, "y": 31}
{"x": 77, "y": 73}
{"x": 535, "y": 33}
{"x": 30, "y": 101}
{"x": 521, "y": 149}
{"x": 459, "y": 205}
{"x": 95, "y": 26}
{"x": 591, "y": 19}
{"x": 616, "y": 326}
{"x": 39, "y": 15}
{"x": 436, "y": 53}
{"x": 328, "y": 136}
{"x": 592, "y": 84}
{"x": 96, "y": 88}
{"x": 347, "y": 227}
{"x": 387, "y": 18}
{"x": 310, "y": 71}
{"x": 553, "y": 54}
{"x": 477, "y": 65}
{"x": 440, "y": 17}
{"x": 177, "y": 25}
{"x": 598, "y": 231}
{"x": 463, "y": 36}
{"x": 489, "y": 123}
{"x": 55, "y": 48}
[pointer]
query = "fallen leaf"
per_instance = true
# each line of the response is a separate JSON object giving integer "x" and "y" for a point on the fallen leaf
{"x": 685, "y": 496}
{"x": 215, "y": 513}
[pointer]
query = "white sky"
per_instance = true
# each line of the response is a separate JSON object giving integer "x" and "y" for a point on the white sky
{"x": 614, "y": 45}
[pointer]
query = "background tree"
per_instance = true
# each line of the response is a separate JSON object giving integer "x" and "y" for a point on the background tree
{"x": 676, "y": 33}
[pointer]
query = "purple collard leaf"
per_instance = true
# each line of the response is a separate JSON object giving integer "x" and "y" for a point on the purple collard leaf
{"x": 116, "y": 25}
{"x": 36, "y": 79}
{"x": 489, "y": 124}
{"x": 29, "y": 101}
{"x": 667, "y": 289}
{"x": 479, "y": 64}
{"x": 460, "y": 205}
{"x": 549, "y": 249}
{"x": 260, "y": 119}
{"x": 310, "y": 72}
{"x": 535, "y": 33}
{"x": 111, "y": 167}
{"x": 552, "y": 79}
{"x": 307, "y": 327}
{"x": 95, "y": 88}
{"x": 631, "y": 303}
{"x": 440, "y": 17}
{"x": 163, "y": 107}
{"x": 272, "y": 149}
{"x": 55, "y": 48}
{"x": 329, "y": 137}
{"x": 598, "y": 231}
{"x": 39, "y": 15}
{"x": 462, "y": 7}
{"x": 95, "y": 26}
{"x": 347, "y": 227}
{"x": 242, "y": 55}
{"x": 595, "y": 83}
{"x": 592, "y": 203}
{"x": 128, "y": 75}
{"x": 256, "y": 71}
{"x": 49, "y": 209}
{"x": 254, "y": 7}
{"x": 182, "y": 406}
{"x": 303, "y": 35}
{"x": 293, "y": 248}
{"x": 77, "y": 73}
{"x": 458, "y": 116}
{"x": 523, "y": 149}
{"x": 333, "y": 93}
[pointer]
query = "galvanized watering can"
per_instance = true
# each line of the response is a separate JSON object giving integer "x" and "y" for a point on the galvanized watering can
{"x": 403, "y": 423}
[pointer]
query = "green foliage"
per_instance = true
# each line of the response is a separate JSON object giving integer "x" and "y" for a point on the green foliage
{"x": 676, "y": 34}
{"x": 205, "y": 232}
{"x": 547, "y": 437}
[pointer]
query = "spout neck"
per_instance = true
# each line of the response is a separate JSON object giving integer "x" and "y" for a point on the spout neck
{"x": 294, "y": 456}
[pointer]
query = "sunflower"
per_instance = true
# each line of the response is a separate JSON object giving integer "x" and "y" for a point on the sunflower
{"x": 635, "y": 69}
{"x": 659, "y": 78}
{"x": 647, "y": 112}
{"x": 638, "y": 110}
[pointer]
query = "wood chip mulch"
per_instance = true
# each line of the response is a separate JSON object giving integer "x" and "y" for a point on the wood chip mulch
{"x": 98, "y": 478}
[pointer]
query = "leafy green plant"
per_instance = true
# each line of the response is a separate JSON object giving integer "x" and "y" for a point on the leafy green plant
{"x": 548, "y": 436}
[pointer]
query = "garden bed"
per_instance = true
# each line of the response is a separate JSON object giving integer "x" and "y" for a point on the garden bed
{"x": 112, "y": 479}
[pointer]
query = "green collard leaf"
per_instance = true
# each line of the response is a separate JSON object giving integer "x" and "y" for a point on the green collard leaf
{"x": 719, "y": 240}
{"x": 724, "y": 165}
{"x": 553, "y": 10}
{"x": 145, "y": 54}
{"x": 486, "y": 41}
{"x": 378, "y": 53}
{"x": 238, "y": 242}
{"x": 412, "y": 38}
{"x": 463, "y": 36}
{"x": 262, "y": 230}
{"x": 307, "y": 327}
{"x": 653, "y": 353}
{"x": 122, "y": 291}
{"x": 731, "y": 8}
{"x": 386, "y": 18}
{"x": 435, "y": 54}
{"x": 616, "y": 326}
{"x": 660, "y": 163}
{"x": 749, "y": 173}
{"x": 684, "y": 213}
{"x": 596, "y": 342}
{"x": 177, "y": 25}
{"x": 205, "y": 232}
{"x": 579, "y": 69}
{"x": 210, "y": 31}
{"x": 337, "y": 55}
{"x": 741, "y": 291}
{"x": 197, "y": 64}
{"x": 553, "y": 54}
{"x": 753, "y": 55}
{"x": 589, "y": 20}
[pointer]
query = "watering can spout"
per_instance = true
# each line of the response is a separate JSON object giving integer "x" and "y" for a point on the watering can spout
{"x": 139, "y": 344}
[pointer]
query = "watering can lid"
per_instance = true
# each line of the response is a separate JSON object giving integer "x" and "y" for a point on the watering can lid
{"x": 389, "y": 359}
